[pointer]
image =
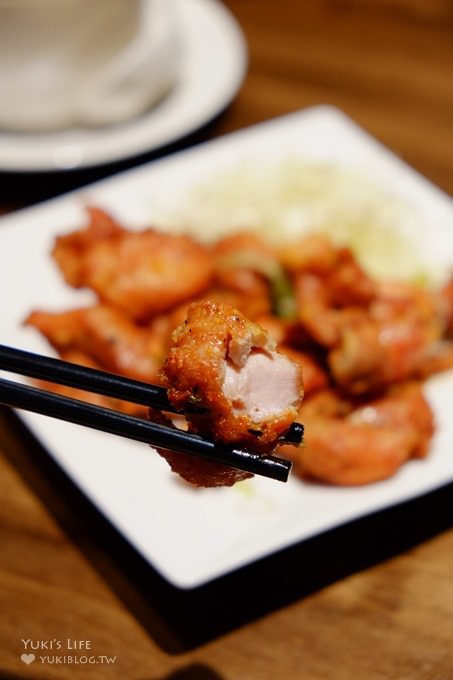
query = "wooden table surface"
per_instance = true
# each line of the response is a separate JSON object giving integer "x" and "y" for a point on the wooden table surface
{"x": 377, "y": 605}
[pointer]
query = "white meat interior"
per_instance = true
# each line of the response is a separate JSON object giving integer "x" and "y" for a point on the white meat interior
{"x": 263, "y": 387}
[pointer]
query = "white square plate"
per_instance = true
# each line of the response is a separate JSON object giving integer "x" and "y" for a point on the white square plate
{"x": 193, "y": 536}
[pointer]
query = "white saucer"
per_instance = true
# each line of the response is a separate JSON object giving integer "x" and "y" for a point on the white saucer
{"x": 213, "y": 67}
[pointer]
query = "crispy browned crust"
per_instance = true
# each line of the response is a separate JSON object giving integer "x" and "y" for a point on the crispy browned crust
{"x": 141, "y": 273}
{"x": 194, "y": 373}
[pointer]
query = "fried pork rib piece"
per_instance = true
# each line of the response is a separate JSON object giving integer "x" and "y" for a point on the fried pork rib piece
{"x": 349, "y": 444}
{"x": 203, "y": 473}
{"x": 359, "y": 342}
{"x": 392, "y": 340}
{"x": 142, "y": 273}
{"x": 229, "y": 366}
{"x": 104, "y": 335}
{"x": 326, "y": 278}
{"x": 373, "y": 333}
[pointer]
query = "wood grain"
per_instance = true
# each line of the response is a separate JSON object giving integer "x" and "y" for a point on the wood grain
{"x": 387, "y": 64}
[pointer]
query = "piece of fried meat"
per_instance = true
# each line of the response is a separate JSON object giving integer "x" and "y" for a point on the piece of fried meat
{"x": 248, "y": 394}
{"x": 142, "y": 273}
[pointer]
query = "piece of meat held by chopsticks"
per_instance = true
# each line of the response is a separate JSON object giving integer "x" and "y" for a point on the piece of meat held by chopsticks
{"x": 225, "y": 373}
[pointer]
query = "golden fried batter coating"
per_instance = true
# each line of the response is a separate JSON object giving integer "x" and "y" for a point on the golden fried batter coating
{"x": 359, "y": 342}
{"x": 348, "y": 444}
{"x": 245, "y": 264}
{"x": 202, "y": 472}
{"x": 389, "y": 341}
{"x": 230, "y": 366}
{"x": 140, "y": 272}
{"x": 227, "y": 365}
{"x": 106, "y": 336}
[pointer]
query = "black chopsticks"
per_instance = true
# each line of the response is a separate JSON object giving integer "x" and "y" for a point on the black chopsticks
{"x": 90, "y": 379}
{"x": 18, "y": 395}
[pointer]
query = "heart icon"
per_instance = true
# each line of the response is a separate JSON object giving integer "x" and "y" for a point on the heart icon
{"x": 28, "y": 658}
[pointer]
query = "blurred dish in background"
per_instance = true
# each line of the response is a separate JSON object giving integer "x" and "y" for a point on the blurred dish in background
{"x": 209, "y": 64}
{"x": 77, "y": 62}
